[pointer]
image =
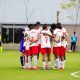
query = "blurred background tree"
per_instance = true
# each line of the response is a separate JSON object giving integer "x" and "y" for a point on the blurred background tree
{"x": 70, "y": 5}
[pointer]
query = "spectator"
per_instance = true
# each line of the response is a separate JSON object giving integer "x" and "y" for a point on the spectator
{"x": 73, "y": 42}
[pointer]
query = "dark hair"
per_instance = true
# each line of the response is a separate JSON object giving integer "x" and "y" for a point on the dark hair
{"x": 30, "y": 26}
{"x": 44, "y": 26}
{"x": 38, "y": 23}
{"x": 74, "y": 32}
{"x": 59, "y": 25}
{"x": 53, "y": 26}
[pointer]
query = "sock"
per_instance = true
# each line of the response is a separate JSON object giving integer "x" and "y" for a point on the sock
{"x": 43, "y": 63}
{"x": 29, "y": 62}
{"x": 62, "y": 64}
{"x": 46, "y": 60}
{"x": 35, "y": 61}
{"x": 49, "y": 62}
{"x": 26, "y": 64}
{"x": 21, "y": 60}
{"x": 57, "y": 63}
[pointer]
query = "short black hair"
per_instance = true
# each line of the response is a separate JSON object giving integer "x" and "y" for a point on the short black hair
{"x": 53, "y": 26}
{"x": 30, "y": 26}
{"x": 59, "y": 25}
{"x": 74, "y": 32}
{"x": 44, "y": 26}
{"x": 38, "y": 23}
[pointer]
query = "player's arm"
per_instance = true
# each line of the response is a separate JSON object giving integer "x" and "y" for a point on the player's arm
{"x": 56, "y": 41}
{"x": 33, "y": 41}
{"x": 36, "y": 39}
{"x": 64, "y": 37}
{"x": 50, "y": 35}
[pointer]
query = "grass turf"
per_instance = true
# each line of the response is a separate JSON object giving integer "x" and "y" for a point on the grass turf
{"x": 10, "y": 68}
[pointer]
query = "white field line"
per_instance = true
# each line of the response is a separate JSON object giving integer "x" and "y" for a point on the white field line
{"x": 74, "y": 74}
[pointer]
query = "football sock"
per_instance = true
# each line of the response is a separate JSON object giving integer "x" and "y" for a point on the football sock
{"x": 57, "y": 63}
{"x": 54, "y": 62}
{"x": 49, "y": 62}
{"x": 35, "y": 61}
{"x": 29, "y": 61}
{"x": 62, "y": 64}
{"x": 26, "y": 64}
{"x": 43, "y": 63}
{"x": 21, "y": 60}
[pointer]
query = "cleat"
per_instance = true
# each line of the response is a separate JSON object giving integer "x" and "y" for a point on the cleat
{"x": 29, "y": 68}
{"x": 55, "y": 68}
{"x": 61, "y": 68}
{"x": 35, "y": 68}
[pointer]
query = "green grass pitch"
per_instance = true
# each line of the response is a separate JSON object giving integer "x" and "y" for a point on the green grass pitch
{"x": 10, "y": 68}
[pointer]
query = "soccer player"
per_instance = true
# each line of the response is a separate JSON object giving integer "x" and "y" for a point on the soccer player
{"x": 73, "y": 42}
{"x": 57, "y": 47}
{"x": 53, "y": 27}
{"x": 39, "y": 28}
{"x": 45, "y": 46}
{"x": 22, "y": 50}
{"x": 33, "y": 35}
{"x": 26, "y": 45}
{"x": 63, "y": 48}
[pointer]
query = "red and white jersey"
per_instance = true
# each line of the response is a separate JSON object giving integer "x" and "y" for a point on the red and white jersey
{"x": 58, "y": 35}
{"x": 45, "y": 39}
{"x": 27, "y": 42}
{"x": 33, "y": 34}
{"x": 64, "y": 42}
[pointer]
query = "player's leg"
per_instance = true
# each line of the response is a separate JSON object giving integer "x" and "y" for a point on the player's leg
{"x": 74, "y": 46}
{"x": 62, "y": 54}
{"x": 71, "y": 48}
{"x": 56, "y": 54}
{"x": 27, "y": 52}
{"x": 35, "y": 53}
{"x": 30, "y": 55}
{"x": 43, "y": 52}
{"x": 22, "y": 58}
{"x": 39, "y": 50}
{"x": 54, "y": 58}
{"x": 49, "y": 57}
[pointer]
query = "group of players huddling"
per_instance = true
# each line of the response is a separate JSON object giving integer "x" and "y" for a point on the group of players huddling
{"x": 43, "y": 40}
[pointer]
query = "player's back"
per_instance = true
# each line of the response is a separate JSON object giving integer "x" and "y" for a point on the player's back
{"x": 58, "y": 35}
{"x": 45, "y": 39}
{"x": 33, "y": 34}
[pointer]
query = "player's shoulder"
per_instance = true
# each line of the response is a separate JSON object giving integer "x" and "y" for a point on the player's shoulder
{"x": 63, "y": 29}
{"x": 57, "y": 30}
{"x": 43, "y": 31}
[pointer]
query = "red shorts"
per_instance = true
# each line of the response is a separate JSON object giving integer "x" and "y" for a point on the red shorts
{"x": 45, "y": 50}
{"x": 62, "y": 51}
{"x": 39, "y": 48}
{"x": 27, "y": 52}
{"x": 56, "y": 50}
{"x": 34, "y": 50}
